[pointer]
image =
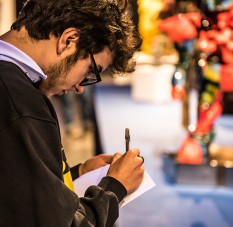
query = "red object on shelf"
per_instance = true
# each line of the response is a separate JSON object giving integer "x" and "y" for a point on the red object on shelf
{"x": 224, "y": 19}
{"x": 226, "y": 77}
{"x": 178, "y": 92}
{"x": 181, "y": 27}
{"x": 223, "y": 36}
{"x": 205, "y": 43}
{"x": 227, "y": 55}
{"x": 190, "y": 152}
{"x": 194, "y": 17}
{"x": 207, "y": 117}
{"x": 229, "y": 45}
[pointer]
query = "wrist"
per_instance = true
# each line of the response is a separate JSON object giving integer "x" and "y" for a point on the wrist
{"x": 75, "y": 171}
{"x": 80, "y": 169}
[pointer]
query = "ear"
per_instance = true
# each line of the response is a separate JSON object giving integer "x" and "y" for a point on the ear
{"x": 67, "y": 40}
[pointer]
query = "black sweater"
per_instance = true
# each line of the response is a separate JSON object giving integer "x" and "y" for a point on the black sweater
{"x": 32, "y": 191}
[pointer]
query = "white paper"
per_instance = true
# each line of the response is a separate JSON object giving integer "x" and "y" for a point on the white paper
{"x": 94, "y": 177}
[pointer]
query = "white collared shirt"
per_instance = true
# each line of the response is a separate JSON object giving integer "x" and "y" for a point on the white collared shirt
{"x": 12, "y": 54}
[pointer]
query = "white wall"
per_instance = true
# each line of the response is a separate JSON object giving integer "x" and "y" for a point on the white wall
{"x": 7, "y": 14}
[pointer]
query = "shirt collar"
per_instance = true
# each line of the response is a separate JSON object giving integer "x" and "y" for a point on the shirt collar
{"x": 11, "y": 53}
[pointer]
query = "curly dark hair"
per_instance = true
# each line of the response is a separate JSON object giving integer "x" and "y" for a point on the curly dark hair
{"x": 101, "y": 23}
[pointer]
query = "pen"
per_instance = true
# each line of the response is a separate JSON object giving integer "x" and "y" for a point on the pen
{"x": 127, "y": 139}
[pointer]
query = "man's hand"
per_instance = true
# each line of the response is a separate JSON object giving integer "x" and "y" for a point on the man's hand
{"x": 95, "y": 163}
{"x": 127, "y": 169}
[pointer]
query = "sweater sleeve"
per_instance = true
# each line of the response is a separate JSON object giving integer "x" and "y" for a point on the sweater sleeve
{"x": 102, "y": 200}
{"x": 74, "y": 170}
{"x": 34, "y": 193}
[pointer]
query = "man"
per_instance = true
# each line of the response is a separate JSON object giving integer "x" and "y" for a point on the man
{"x": 54, "y": 47}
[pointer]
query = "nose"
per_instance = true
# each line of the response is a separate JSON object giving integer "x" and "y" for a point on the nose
{"x": 79, "y": 89}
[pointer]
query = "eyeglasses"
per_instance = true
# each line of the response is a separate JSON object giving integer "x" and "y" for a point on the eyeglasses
{"x": 94, "y": 76}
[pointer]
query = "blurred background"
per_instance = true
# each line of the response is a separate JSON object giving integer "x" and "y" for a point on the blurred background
{"x": 178, "y": 105}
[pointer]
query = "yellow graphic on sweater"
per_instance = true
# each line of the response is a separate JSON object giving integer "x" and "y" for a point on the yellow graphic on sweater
{"x": 67, "y": 176}
{"x": 66, "y": 172}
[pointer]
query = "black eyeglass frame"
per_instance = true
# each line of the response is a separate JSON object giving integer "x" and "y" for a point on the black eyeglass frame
{"x": 90, "y": 81}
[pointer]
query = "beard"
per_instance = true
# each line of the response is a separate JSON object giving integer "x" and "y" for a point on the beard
{"x": 58, "y": 71}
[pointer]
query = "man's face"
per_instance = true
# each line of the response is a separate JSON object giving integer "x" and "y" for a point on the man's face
{"x": 63, "y": 77}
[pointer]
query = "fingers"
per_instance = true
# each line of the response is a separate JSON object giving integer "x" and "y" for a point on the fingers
{"x": 142, "y": 159}
{"x": 127, "y": 169}
{"x": 107, "y": 158}
{"x": 136, "y": 152}
{"x": 116, "y": 157}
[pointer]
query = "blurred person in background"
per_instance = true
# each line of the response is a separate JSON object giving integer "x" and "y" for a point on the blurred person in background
{"x": 76, "y": 112}
{"x": 55, "y": 47}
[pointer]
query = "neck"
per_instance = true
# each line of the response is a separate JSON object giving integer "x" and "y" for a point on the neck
{"x": 33, "y": 48}
{"x": 21, "y": 40}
